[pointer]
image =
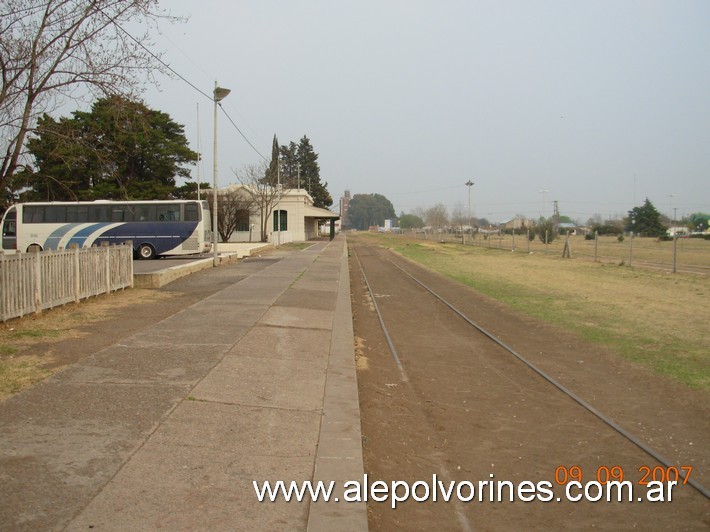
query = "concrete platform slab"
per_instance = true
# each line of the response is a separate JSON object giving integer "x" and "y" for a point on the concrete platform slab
{"x": 170, "y": 427}
{"x": 122, "y": 364}
{"x": 312, "y": 299}
{"x": 298, "y": 317}
{"x": 205, "y": 334}
{"x": 278, "y": 342}
{"x": 178, "y": 487}
{"x": 276, "y": 383}
{"x": 241, "y": 430}
{"x": 316, "y": 284}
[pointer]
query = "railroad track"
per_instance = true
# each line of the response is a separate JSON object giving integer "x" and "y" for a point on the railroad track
{"x": 531, "y": 415}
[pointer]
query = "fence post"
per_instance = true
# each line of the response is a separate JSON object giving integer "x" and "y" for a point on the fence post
{"x": 5, "y": 285}
{"x": 528, "y": 236}
{"x": 675, "y": 250}
{"x": 129, "y": 243}
{"x": 77, "y": 275}
{"x": 38, "y": 280}
{"x": 596, "y": 245}
{"x": 567, "y": 251}
{"x": 107, "y": 265}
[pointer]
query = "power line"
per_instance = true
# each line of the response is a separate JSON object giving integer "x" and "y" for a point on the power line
{"x": 242, "y": 134}
{"x": 180, "y": 76}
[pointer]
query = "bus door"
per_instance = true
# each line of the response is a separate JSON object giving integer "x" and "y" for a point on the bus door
{"x": 9, "y": 229}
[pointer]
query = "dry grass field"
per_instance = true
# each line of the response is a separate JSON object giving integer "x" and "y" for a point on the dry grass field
{"x": 691, "y": 253}
{"x": 650, "y": 316}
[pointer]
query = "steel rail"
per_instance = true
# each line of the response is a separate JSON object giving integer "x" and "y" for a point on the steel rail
{"x": 607, "y": 420}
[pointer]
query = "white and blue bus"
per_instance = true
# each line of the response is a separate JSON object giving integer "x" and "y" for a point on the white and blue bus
{"x": 176, "y": 227}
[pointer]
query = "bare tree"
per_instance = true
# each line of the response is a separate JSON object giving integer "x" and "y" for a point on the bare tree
{"x": 264, "y": 191}
{"x": 56, "y": 49}
{"x": 437, "y": 216}
{"x": 459, "y": 216}
{"x": 234, "y": 205}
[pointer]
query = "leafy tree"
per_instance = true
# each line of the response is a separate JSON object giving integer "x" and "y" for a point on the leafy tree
{"x": 366, "y": 210}
{"x": 410, "y": 221}
{"x": 699, "y": 221}
{"x": 645, "y": 220}
{"x": 51, "y": 48}
{"x": 121, "y": 149}
{"x": 189, "y": 190}
{"x": 545, "y": 229}
{"x": 608, "y": 228}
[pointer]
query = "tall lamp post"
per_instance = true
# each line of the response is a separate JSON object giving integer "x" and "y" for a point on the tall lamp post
{"x": 219, "y": 94}
{"x": 469, "y": 184}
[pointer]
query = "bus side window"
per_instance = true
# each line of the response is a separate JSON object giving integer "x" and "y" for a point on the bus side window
{"x": 55, "y": 214}
{"x": 191, "y": 212}
{"x": 169, "y": 213}
{"x": 77, "y": 213}
{"x": 121, "y": 213}
{"x": 33, "y": 215}
{"x": 99, "y": 213}
{"x": 145, "y": 213}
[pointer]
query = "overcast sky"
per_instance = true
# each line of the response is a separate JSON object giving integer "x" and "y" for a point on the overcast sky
{"x": 599, "y": 103}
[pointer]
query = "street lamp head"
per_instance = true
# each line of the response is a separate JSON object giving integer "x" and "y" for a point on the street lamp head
{"x": 469, "y": 183}
{"x": 220, "y": 93}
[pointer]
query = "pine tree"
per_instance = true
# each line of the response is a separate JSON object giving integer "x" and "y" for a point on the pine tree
{"x": 645, "y": 220}
{"x": 272, "y": 172}
{"x": 310, "y": 174}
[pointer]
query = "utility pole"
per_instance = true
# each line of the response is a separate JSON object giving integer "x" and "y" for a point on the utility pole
{"x": 469, "y": 184}
{"x": 198, "y": 151}
{"x": 278, "y": 205}
{"x": 556, "y": 215}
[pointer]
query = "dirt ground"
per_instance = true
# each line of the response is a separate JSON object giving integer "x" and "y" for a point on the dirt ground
{"x": 465, "y": 409}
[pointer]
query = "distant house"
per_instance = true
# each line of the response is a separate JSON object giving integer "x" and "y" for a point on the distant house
{"x": 297, "y": 218}
{"x": 518, "y": 223}
{"x": 572, "y": 228}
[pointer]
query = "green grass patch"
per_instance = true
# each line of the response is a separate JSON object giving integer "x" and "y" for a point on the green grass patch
{"x": 18, "y": 374}
{"x": 7, "y": 350}
{"x": 33, "y": 333}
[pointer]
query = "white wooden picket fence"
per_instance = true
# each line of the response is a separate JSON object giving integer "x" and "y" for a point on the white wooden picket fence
{"x": 32, "y": 282}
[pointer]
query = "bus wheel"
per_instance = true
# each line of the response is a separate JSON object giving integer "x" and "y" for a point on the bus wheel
{"x": 33, "y": 248}
{"x": 146, "y": 251}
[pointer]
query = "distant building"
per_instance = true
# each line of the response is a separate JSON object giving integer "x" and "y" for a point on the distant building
{"x": 297, "y": 218}
{"x": 344, "y": 204}
{"x": 518, "y": 224}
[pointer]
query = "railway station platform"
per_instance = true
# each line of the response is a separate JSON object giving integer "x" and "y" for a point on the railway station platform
{"x": 169, "y": 428}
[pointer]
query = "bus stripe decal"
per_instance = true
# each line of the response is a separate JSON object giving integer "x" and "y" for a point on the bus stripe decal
{"x": 80, "y": 237}
{"x": 53, "y": 239}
